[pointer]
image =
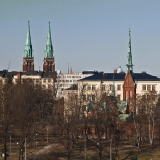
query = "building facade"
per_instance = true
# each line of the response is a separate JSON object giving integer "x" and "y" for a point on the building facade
{"x": 123, "y": 85}
{"x": 65, "y": 81}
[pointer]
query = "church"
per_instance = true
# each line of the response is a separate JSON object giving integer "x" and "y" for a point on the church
{"x": 122, "y": 85}
{"x": 45, "y": 77}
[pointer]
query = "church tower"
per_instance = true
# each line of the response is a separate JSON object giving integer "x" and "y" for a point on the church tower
{"x": 28, "y": 59}
{"x": 129, "y": 86}
{"x": 49, "y": 65}
{"x": 129, "y": 65}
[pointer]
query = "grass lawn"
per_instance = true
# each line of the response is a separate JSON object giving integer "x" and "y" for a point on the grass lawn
{"x": 55, "y": 151}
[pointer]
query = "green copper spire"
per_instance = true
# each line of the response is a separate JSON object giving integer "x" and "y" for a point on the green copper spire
{"x": 28, "y": 52}
{"x": 48, "y": 53}
{"x": 129, "y": 65}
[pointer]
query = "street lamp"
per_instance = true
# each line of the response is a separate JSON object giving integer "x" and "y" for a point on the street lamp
{"x": 10, "y": 148}
{"x": 36, "y": 140}
{"x": 98, "y": 143}
{"x": 47, "y": 135}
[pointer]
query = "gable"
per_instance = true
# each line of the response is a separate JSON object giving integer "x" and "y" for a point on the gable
{"x": 109, "y": 103}
{"x": 128, "y": 82}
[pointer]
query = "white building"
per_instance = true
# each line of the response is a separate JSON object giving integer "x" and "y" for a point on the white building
{"x": 65, "y": 81}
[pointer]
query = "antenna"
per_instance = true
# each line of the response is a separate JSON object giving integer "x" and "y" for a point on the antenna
{"x": 68, "y": 68}
{"x": 8, "y": 65}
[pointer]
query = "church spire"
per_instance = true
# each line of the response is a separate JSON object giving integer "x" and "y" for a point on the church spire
{"x": 129, "y": 65}
{"x": 28, "y": 52}
{"x": 48, "y": 53}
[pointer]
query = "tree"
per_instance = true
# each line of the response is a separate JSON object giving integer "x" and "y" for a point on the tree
{"x": 7, "y": 118}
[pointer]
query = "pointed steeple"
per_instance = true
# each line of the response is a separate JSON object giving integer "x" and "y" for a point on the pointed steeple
{"x": 28, "y": 52}
{"x": 48, "y": 53}
{"x": 129, "y": 65}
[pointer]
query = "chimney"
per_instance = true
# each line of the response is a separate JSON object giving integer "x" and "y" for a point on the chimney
{"x": 19, "y": 77}
{"x": 114, "y": 71}
{"x": 143, "y": 72}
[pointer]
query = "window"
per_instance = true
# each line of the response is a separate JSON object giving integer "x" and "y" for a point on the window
{"x": 148, "y": 87}
{"x": 70, "y": 80}
{"x": 89, "y": 87}
{"x": 37, "y": 80}
{"x": 93, "y": 87}
{"x": 110, "y": 87}
{"x": 44, "y": 81}
{"x": 84, "y": 87}
{"x": 153, "y": 87}
{"x": 89, "y": 97}
{"x": 93, "y": 97}
{"x": 103, "y": 87}
{"x": 119, "y": 96}
{"x": 49, "y": 80}
{"x": 84, "y": 97}
{"x": 44, "y": 86}
{"x": 131, "y": 94}
{"x": 143, "y": 87}
{"x": 67, "y": 80}
{"x": 118, "y": 87}
{"x": 84, "y": 108}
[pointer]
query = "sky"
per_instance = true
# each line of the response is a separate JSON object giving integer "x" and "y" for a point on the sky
{"x": 87, "y": 34}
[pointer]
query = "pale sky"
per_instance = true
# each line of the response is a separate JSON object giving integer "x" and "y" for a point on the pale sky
{"x": 87, "y": 34}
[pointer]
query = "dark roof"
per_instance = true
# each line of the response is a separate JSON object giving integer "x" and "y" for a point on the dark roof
{"x": 120, "y": 77}
{"x": 5, "y": 73}
{"x": 74, "y": 87}
{"x": 49, "y": 75}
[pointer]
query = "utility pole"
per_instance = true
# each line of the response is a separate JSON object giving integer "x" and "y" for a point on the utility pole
{"x": 25, "y": 155}
{"x": 47, "y": 135}
{"x": 10, "y": 148}
{"x": 111, "y": 149}
{"x": 85, "y": 147}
